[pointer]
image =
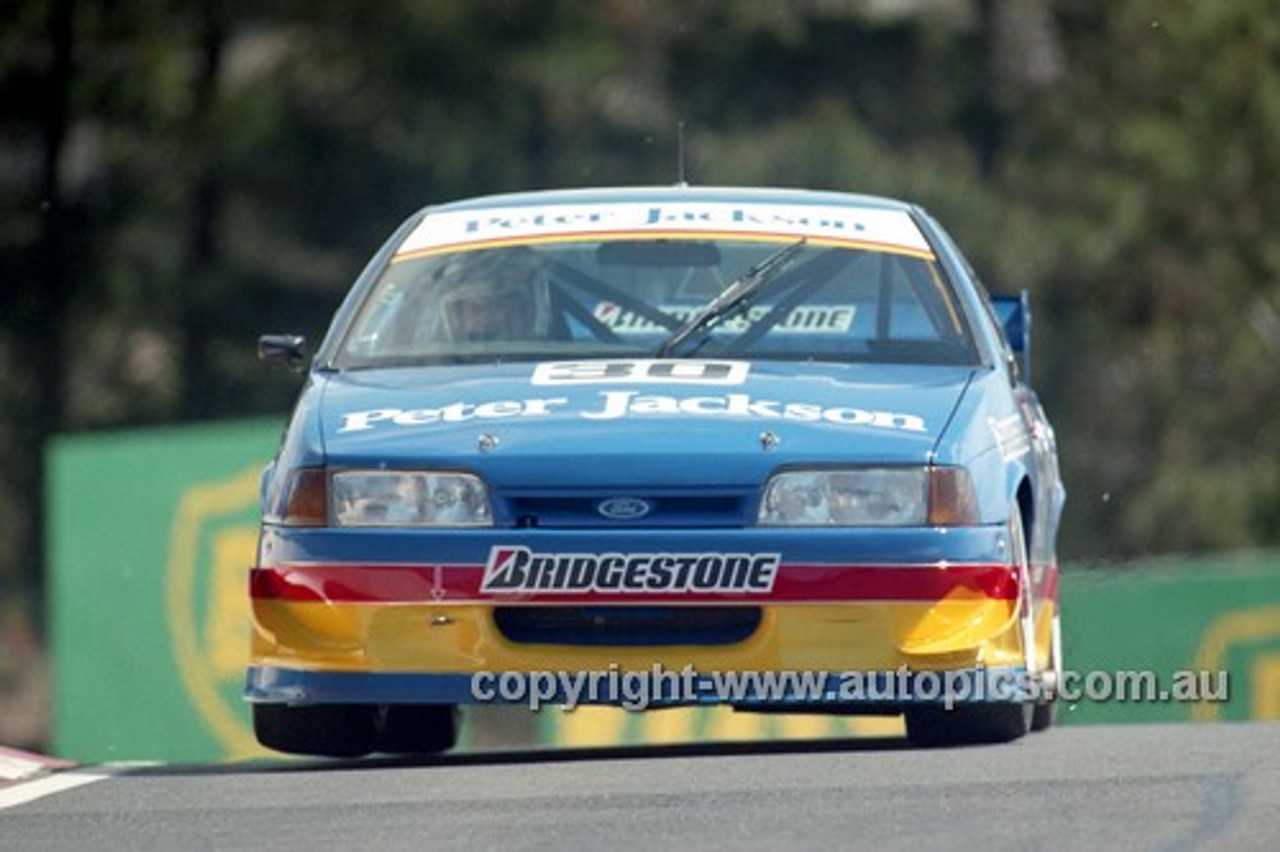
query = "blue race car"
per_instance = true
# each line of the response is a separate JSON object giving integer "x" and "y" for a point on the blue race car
{"x": 559, "y": 441}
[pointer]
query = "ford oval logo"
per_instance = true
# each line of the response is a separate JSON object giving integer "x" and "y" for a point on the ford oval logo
{"x": 624, "y": 508}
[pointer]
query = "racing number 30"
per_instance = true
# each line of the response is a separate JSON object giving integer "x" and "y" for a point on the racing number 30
{"x": 641, "y": 370}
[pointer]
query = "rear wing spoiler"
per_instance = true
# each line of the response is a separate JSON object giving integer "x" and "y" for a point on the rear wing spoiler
{"x": 1014, "y": 313}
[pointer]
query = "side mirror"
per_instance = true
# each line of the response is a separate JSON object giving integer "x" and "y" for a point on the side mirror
{"x": 1014, "y": 313}
{"x": 289, "y": 348}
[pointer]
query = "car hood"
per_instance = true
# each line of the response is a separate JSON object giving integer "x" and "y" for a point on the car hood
{"x": 605, "y": 421}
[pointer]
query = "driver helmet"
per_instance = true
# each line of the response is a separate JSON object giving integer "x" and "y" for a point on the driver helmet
{"x": 495, "y": 294}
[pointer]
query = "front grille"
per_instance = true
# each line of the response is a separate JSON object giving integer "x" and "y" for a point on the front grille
{"x": 627, "y": 625}
{"x": 665, "y": 510}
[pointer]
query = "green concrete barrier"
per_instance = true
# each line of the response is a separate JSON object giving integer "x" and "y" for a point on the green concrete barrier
{"x": 1200, "y": 616}
{"x": 151, "y": 533}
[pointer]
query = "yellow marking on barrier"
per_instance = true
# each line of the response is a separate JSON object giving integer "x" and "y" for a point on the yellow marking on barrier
{"x": 227, "y": 623}
{"x": 605, "y": 726}
{"x": 1265, "y": 684}
{"x": 589, "y": 726}
{"x": 877, "y": 726}
{"x": 672, "y": 725}
{"x": 808, "y": 726}
{"x": 723, "y": 723}
{"x": 1234, "y": 628}
{"x": 196, "y": 669}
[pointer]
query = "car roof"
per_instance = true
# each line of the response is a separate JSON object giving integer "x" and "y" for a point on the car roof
{"x": 679, "y": 192}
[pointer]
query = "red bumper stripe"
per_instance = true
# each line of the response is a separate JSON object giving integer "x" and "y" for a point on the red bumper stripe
{"x": 794, "y": 583}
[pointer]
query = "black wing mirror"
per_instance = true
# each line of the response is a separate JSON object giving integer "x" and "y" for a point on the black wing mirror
{"x": 289, "y": 348}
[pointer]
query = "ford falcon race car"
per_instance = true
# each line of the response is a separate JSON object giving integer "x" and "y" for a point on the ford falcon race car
{"x": 555, "y": 442}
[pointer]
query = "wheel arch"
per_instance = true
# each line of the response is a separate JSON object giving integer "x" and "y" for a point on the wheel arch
{"x": 1025, "y": 503}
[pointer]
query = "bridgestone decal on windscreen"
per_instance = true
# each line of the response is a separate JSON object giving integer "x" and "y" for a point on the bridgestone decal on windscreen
{"x": 802, "y": 319}
{"x": 520, "y": 570}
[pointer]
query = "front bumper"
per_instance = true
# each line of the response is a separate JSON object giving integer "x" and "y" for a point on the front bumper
{"x": 787, "y": 691}
{"x": 401, "y": 629}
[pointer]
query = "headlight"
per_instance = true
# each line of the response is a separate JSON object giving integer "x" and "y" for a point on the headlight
{"x": 408, "y": 499}
{"x": 869, "y": 497}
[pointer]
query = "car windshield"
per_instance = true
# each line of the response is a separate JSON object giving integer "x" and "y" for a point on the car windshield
{"x": 603, "y": 297}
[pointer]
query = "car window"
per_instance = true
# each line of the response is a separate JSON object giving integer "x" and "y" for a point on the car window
{"x": 602, "y": 297}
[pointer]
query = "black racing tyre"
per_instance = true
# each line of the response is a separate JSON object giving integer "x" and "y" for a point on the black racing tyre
{"x": 325, "y": 730}
{"x": 996, "y": 722}
{"x": 1044, "y": 715}
{"x": 418, "y": 728}
{"x": 1046, "y": 712}
{"x": 934, "y": 725}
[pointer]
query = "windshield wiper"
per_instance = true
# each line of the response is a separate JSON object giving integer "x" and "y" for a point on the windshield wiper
{"x": 736, "y": 296}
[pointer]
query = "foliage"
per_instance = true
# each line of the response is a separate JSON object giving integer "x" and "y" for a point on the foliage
{"x": 181, "y": 175}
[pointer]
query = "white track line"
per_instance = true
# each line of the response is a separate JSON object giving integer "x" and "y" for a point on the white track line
{"x": 15, "y": 764}
{"x": 23, "y": 792}
{"x": 38, "y": 788}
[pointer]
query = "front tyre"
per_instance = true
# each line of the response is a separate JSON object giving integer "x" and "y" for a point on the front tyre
{"x": 1046, "y": 711}
{"x": 934, "y": 725}
{"x": 324, "y": 730}
{"x": 354, "y": 730}
{"x": 418, "y": 728}
{"x": 995, "y": 722}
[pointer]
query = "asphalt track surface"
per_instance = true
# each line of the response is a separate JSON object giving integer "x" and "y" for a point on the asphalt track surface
{"x": 1167, "y": 787}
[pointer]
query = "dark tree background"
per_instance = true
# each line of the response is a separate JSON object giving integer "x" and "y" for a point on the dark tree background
{"x": 178, "y": 176}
